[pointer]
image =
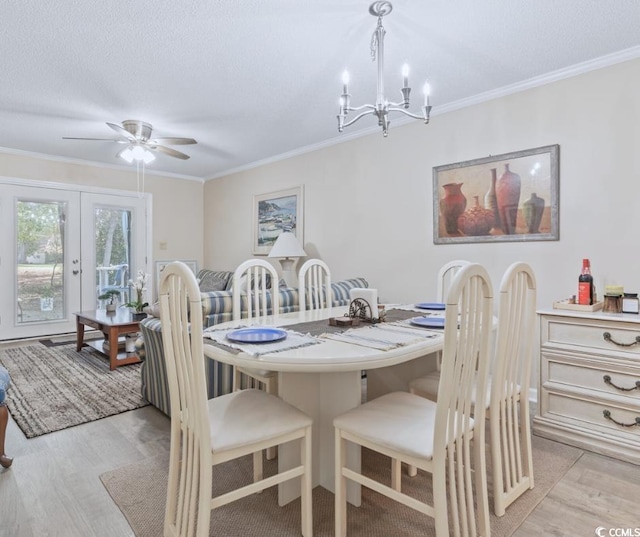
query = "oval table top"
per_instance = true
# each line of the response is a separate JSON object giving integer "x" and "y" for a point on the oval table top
{"x": 327, "y": 356}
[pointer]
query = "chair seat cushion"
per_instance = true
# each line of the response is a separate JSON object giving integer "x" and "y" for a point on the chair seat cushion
{"x": 5, "y": 380}
{"x": 427, "y": 386}
{"x": 400, "y": 421}
{"x": 263, "y": 416}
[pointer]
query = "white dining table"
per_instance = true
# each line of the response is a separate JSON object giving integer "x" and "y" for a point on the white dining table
{"x": 324, "y": 380}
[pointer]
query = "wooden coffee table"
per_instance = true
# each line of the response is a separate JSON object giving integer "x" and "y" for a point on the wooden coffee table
{"x": 112, "y": 325}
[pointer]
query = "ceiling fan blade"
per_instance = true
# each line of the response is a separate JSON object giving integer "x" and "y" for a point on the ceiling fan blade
{"x": 173, "y": 141}
{"x": 101, "y": 139}
{"x": 169, "y": 151}
{"x": 122, "y": 132}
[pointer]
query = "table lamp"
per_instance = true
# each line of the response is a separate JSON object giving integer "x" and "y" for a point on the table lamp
{"x": 288, "y": 249}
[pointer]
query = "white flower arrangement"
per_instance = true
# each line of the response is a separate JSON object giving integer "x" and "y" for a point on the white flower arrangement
{"x": 139, "y": 285}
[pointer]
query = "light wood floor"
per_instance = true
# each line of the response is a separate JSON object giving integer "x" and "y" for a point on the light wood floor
{"x": 53, "y": 488}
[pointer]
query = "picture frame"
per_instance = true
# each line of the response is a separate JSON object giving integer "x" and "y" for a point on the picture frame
{"x": 274, "y": 213}
{"x": 520, "y": 189}
{"x": 193, "y": 265}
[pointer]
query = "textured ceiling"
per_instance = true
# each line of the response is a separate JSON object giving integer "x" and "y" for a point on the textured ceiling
{"x": 251, "y": 80}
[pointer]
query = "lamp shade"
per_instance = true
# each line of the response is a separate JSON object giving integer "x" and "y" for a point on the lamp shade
{"x": 287, "y": 245}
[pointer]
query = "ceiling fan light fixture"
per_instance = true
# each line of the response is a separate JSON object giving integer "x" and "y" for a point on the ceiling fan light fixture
{"x": 140, "y": 153}
{"x": 127, "y": 155}
{"x": 148, "y": 157}
{"x": 137, "y": 153}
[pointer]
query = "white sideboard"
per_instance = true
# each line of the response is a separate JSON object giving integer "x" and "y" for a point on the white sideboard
{"x": 589, "y": 392}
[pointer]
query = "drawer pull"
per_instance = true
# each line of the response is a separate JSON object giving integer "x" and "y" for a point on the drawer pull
{"x": 607, "y": 380}
{"x": 607, "y": 337}
{"x": 607, "y": 415}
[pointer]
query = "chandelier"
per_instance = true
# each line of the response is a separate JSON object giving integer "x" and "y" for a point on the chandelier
{"x": 382, "y": 107}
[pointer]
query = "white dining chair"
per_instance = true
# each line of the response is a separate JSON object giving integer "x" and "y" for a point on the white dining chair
{"x": 509, "y": 423}
{"x": 314, "y": 285}
{"x": 205, "y": 433}
{"x": 507, "y": 398}
{"x": 445, "y": 276}
{"x": 441, "y": 438}
{"x": 255, "y": 286}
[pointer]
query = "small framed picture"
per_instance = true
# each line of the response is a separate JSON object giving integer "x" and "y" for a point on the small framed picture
{"x": 193, "y": 265}
{"x": 274, "y": 213}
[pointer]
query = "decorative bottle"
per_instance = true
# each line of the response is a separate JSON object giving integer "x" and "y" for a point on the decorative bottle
{"x": 585, "y": 284}
{"x": 508, "y": 198}
{"x": 490, "y": 201}
{"x": 532, "y": 210}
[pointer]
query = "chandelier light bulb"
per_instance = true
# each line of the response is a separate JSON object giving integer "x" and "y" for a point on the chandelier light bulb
{"x": 345, "y": 81}
{"x": 405, "y": 75}
{"x": 426, "y": 89}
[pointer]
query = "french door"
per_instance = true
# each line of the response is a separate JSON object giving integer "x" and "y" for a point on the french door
{"x": 61, "y": 249}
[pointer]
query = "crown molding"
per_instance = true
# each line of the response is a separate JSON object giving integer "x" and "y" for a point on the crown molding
{"x": 547, "y": 78}
{"x": 103, "y": 165}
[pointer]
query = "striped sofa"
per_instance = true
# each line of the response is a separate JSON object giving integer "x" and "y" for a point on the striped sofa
{"x": 216, "y": 308}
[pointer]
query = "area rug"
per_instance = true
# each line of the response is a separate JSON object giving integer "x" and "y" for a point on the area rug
{"x": 139, "y": 490}
{"x": 53, "y": 388}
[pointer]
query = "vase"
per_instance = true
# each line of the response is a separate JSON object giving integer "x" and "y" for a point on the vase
{"x": 490, "y": 200}
{"x": 508, "y": 199}
{"x": 477, "y": 220}
{"x": 532, "y": 210}
{"x": 452, "y": 205}
{"x": 138, "y": 315}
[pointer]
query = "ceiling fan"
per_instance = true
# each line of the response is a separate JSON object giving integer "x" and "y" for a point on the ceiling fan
{"x": 137, "y": 135}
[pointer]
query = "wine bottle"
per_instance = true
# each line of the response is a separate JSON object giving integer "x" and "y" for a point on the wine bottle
{"x": 585, "y": 284}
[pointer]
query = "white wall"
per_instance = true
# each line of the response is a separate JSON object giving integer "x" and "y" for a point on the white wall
{"x": 177, "y": 203}
{"x": 368, "y": 202}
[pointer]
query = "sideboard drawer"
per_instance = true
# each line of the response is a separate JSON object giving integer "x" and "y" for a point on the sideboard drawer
{"x": 593, "y": 376}
{"x": 592, "y": 414}
{"x": 593, "y": 336}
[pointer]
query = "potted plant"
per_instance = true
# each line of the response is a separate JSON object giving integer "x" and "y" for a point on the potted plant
{"x": 112, "y": 296}
{"x": 46, "y": 299}
{"x": 139, "y": 285}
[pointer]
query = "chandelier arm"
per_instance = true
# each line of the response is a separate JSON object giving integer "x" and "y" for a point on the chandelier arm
{"x": 363, "y": 107}
{"x": 393, "y": 106}
{"x": 358, "y": 117}
{"x": 424, "y": 117}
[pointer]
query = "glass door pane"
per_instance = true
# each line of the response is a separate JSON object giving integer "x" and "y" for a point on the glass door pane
{"x": 114, "y": 247}
{"x": 40, "y": 261}
{"x": 40, "y": 230}
{"x": 113, "y": 254}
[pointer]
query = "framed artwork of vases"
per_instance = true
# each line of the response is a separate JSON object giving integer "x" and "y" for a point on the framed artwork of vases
{"x": 501, "y": 198}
